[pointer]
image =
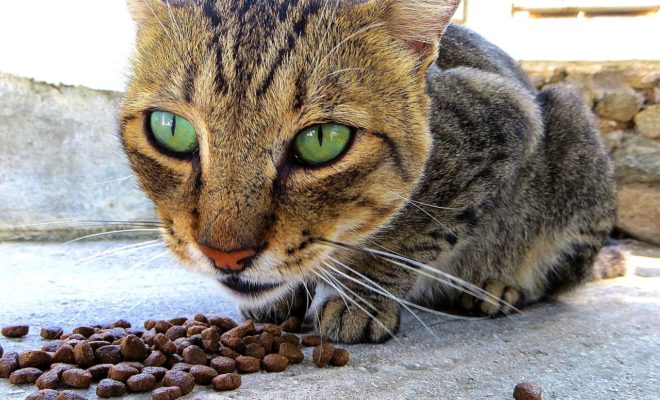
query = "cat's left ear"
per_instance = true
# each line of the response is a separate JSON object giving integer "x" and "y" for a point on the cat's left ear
{"x": 419, "y": 24}
{"x": 143, "y": 11}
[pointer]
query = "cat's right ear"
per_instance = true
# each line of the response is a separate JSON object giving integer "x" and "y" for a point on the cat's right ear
{"x": 140, "y": 10}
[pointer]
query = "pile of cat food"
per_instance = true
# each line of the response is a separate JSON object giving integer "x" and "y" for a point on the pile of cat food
{"x": 168, "y": 358}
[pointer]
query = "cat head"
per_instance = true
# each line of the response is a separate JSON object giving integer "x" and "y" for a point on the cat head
{"x": 261, "y": 129}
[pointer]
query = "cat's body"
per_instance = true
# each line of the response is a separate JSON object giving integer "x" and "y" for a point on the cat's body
{"x": 465, "y": 169}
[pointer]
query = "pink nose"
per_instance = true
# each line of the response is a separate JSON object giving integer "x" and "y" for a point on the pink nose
{"x": 228, "y": 261}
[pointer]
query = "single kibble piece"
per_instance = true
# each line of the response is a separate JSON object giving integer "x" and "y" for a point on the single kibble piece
{"x": 272, "y": 329}
{"x": 340, "y": 358}
{"x": 64, "y": 355}
{"x": 133, "y": 349}
{"x": 99, "y": 371}
{"x": 194, "y": 355}
{"x": 122, "y": 323}
{"x": 84, "y": 355}
{"x": 121, "y": 372}
{"x": 97, "y": 344}
{"x": 44, "y": 394}
{"x": 181, "y": 379}
{"x": 527, "y": 391}
{"x": 86, "y": 331}
{"x": 255, "y": 350}
{"x": 226, "y": 382}
{"x": 51, "y": 332}
{"x": 166, "y": 393}
{"x": 68, "y": 395}
{"x": 182, "y": 366}
{"x": 178, "y": 321}
{"x": 76, "y": 336}
{"x": 291, "y": 338}
{"x": 77, "y": 378}
{"x": 242, "y": 330}
{"x": 157, "y": 372}
{"x": 292, "y": 352}
{"x": 109, "y": 354}
{"x": 48, "y": 380}
{"x": 223, "y": 365}
{"x": 141, "y": 383}
{"x": 247, "y": 365}
{"x": 229, "y": 353}
{"x": 137, "y": 365}
{"x": 149, "y": 324}
{"x": 37, "y": 359}
{"x": 266, "y": 340}
{"x": 322, "y": 354}
{"x": 61, "y": 367}
{"x": 8, "y": 364}
{"x": 155, "y": 359}
{"x": 195, "y": 330}
{"x": 110, "y": 388}
{"x": 275, "y": 363}
{"x": 25, "y": 375}
{"x": 233, "y": 342}
{"x": 201, "y": 318}
{"x": 162, "y": 343}
{"x": 176, "y": 332}
{"x": 311, "y": 341}
{"x": 292, "y": 324}
{"x": 203, "y": 375}
{"x": 51, "y": 347}
{"x": 15, "y": 331}
{"x": 211, "y": 339}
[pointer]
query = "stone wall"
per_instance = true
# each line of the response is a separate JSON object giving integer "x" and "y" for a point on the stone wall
{"x": 625, "y": 97}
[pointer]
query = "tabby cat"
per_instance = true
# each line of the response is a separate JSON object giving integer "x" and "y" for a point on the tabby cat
{"x": 364, "y": 157}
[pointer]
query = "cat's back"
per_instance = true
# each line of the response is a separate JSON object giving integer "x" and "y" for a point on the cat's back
{"x": 462, "y": 47}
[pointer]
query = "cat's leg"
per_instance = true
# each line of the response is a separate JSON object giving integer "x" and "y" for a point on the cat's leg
{"x": 367, "y": 312}
{"x": 294, "y": 304}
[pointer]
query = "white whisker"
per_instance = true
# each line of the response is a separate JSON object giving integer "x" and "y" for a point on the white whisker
{"x": 150, "y": 230}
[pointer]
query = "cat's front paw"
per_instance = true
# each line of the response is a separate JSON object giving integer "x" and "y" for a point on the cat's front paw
{"x": 503, "y": 300}
{"x": 345, "y": 322}
{"x": 294, "y": 304}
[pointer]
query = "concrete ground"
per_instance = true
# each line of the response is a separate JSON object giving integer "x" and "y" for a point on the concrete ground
{"x": 599, "y": 342}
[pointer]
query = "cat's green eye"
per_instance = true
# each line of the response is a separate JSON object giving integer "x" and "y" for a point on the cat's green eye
{"x": 320, "y": 144}
{"x": 173, "y": 133}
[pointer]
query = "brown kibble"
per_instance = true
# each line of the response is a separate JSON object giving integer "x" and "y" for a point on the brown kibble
{"x": 527, "y": 391}
{"x": 155, "y": 359}
{"x": 37, "y": 359}
{"x": 183, "y": 380}
{"x": 272, "y": 329}
{"x": 84, "y": 355}
{"x": 176, "y": 332}
{"x": 134, "y": 364}
{"x": 148, "y": 338}
{"x": 77, "y": 378}
{"x": 194, "y": 355}
{"x": 44, "y": 394}
{"x": 311, "y": 341}
{"x": 223, "y": 365}
{"x": 266, "y": 340}
{"x": 201, "y": 318}
{"x": 190, "y": 323}
{"x": 121, "y": 372}
{"x": 230, "y": 353}
{"x": 99, "y": 372}
{"x": 275, "y": 363}
{"x": 61, "y": 367}
{"x": 166, "y": 393}
{"x": 141, "y": 383}
{"x": 164, "y": 344}
{"x": 203, "y": 375}
{"x": 340, "y": 358}
{"x": 97, "y": 344}
{"x": 226, "y": 382}
{"x": 25, "y": 375}
{"x": 181, "y": 344}
{"x": 157, "y": 372}
{"x": 69, "y": 395}
{"x": 162, "y": 326}
{"x": 211, "y": 339}
{"x": 182, "y": 366}
{"x": 195, "y": 330}
{"x": 76, "y": 336}
{"x": 109, "y": 354}
{"x": 15, "y": 331}
{"x": 149, "y": 324}
{"x": 64, "y": 355}
{"x": 51, "y": 347}
{"x": 292, "y": 352}
{"x": 247, "y": 364}
{"x": 85, "y": 331}
{"x": 292, "y": 324}
{"x": 48, "y": 380}
{"x": 242, "y": 330}
{"x": 51, "y": 332}
{"x": 178, "y": 321}
{"x": 322, "y": 354}
{"x": 133, "y": 349}
{"x": 122, "y": 323}
{"x": 255, "y": 350}
{"x": 8, "y": 364}
{"x": 223, "y": 323}
{"x": 110, "y": 388}
{"x": 233, "y": 342}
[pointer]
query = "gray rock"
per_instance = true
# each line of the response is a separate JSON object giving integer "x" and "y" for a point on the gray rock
{"x": 619, "y": 105}
{"x": 648, "y": 121}
{"x": 638, "y": 160}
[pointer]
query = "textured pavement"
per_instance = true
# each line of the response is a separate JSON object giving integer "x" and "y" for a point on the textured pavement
{"x": 599, "y": 342}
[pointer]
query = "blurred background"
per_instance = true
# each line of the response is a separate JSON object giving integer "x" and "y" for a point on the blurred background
{"x": 63, "y": 65}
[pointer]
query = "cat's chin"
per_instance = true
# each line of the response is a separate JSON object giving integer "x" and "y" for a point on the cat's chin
{"x": 252, "y": 293}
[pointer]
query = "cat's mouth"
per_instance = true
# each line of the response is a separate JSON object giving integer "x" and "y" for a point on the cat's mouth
{"x": 245, "y": 287}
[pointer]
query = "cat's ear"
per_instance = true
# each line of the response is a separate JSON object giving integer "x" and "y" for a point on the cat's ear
{"x": 419, "y": 24}
{"x": 140, "y": 10}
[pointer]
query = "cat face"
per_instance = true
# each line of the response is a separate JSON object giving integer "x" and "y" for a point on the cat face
{"x": 270, "y": 126}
